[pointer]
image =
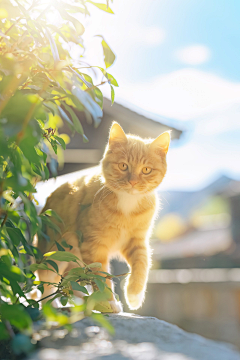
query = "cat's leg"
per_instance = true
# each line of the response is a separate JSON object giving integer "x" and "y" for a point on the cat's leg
{"x": 72, "y": 239}
{"x": 114, "y": 303}
{"x": 77, "y": 293}
{"x": 48, "y": 276}
{"x": 99, "y": 254}
{"x": 137, "y": 255}
{"x": 63, "y": 267}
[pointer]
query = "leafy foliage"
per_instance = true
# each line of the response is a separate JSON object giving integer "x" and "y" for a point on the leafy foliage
{"x": 41, "y": 86}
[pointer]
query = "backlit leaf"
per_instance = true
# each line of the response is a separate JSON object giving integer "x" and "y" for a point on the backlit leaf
{"x": 61, "y": 256}
{"x": 112, "y": 94}
{"x": 76, "y": 286}
{"x": 103, "y": 7}
{"x": 109, "y": 56}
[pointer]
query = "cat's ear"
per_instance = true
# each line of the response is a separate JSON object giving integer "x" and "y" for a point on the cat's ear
{"x": 116, "y": 133}
{"x": 162, "y": 142}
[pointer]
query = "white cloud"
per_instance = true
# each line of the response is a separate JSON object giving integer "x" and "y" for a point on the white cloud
{"x": 182, "y": 95}
{"x": 194, "y": 55}
{"x": 149, "y": 36}
{"x": 221, "y": 120}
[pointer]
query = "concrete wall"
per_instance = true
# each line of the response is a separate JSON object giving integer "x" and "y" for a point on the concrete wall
{"x": 208, "y": 309}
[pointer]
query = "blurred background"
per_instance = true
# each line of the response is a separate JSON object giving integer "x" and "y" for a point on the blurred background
{"x": 178, "y": 68}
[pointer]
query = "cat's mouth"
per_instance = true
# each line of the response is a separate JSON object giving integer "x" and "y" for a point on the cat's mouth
{"x": 133, "y": 191}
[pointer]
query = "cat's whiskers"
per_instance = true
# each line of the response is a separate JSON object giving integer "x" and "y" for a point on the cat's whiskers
{"x": 110, "y": 192}
{"x": 102, "y": 188}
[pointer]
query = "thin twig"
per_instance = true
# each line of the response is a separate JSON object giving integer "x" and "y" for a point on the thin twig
{"x": 9, "y": 329}
{"x": 94, "y": 86}
{"x": 46, "y": 297}
{"x": 4, "y": 220}
{"x": 17, "y": 21}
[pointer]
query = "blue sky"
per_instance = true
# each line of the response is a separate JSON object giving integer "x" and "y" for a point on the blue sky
{"x": 214, "y": 23}
{"x": 181, "y": 60}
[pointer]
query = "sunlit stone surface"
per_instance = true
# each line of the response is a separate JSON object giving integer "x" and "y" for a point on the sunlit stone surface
{"x": 136, "y": 338}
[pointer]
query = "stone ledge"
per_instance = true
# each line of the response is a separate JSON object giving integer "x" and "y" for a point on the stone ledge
{"x": 136, "y": 338}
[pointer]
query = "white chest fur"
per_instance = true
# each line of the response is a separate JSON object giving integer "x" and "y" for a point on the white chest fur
{"x": 128, "y": 203}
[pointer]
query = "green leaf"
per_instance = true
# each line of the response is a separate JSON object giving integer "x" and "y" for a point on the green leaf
{"x": 3, "y": 332}
{"x": 68, "y": 278}
{"x": 98, "y": 296}
{"x": 84, "y": 206}
{"x": 66, "y": 245}
{"x": 52, "y": 315}
{"x": 101, "y": 319}
{"x": 54, "y": 145}
{"x": 56, "y": 29}
{"x": 76, "y": 271}
{"x": 95, "y": 276}
{"x": 109, "y": 56}
{"x": 65, "y": 117}
{"x": 89, "y": 104}
{"x": 16, "y": 315}
{"x": 76, "y": 121}
{"x": 76, "y": 286}
{"x": 61, "y": 141}
{"x": 15, "y": 235}
{"x": 112, "y": 80}
{"x": 81, "y": 77}
{"x": 101, "y": 285}
{"x": 53, "y": 166}
{"x": 61, "y": 256}
{"x": 33, "y": 310}
{"x": 64, "y": 300}
{"x": 78, "y": 26}
{"x": 46, "y": 220}
{"x": 59, "y": 247}
{"x": 54, "y": 214}
{"x": 46, "y": 172}
{"x": 95, "y": 265}
{"x": 53, "y": 46}
{"x": 103, "y": 7}
{"x": 53, "y": 264}
{"x": 21, "y": 344}
{"x": 50, "y": 107}
{"x": 41, "y": 288}
{"x": 30, "y": 155}
{"x": 98, "y": 96}
{"x": 85, "y": 139}
{"x": 75, "y": 9}
{"x": 34, "y": 267}
{"x": 11, "y": 273}
{"x": 112, "y": 94}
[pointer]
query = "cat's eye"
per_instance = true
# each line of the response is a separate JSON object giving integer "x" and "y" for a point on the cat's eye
{"x": 146, "y": 170}
{"x": 122, "y": 166}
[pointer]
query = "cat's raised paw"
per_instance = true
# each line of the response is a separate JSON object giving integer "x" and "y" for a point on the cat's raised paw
{"x": 116, "y": 306}
{"x": 134, "y": 301}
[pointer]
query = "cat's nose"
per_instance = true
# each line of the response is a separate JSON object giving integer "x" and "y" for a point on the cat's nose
{"x": 133, "y": 182}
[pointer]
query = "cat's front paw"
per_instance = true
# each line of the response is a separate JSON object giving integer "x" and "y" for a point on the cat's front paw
{"x": 116, "y": 306}
{"x": 135, "y": 301}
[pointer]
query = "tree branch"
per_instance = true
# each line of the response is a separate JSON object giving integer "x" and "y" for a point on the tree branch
{"x": 4, "y": 220}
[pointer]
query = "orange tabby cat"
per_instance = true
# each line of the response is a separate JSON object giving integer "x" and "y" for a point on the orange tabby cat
{"x": 122, "y": 207}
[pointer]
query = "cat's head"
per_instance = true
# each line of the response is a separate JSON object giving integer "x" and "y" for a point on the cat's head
{"x": 134, "y": 165}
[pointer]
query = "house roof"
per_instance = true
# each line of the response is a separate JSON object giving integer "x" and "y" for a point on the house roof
{"x": 194, "y": 243}
{"x": 185, "y": 202}
{"x": 134, "y": 120}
